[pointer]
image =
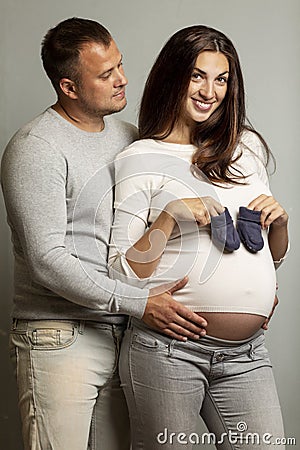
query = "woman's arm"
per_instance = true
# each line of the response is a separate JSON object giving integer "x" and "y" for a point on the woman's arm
{"x": 143, "y": 257}
{"x": 278, "y": 241}
{"x": 134, "y": 190}
{"x": 275, "y": 217}
{"x": 136, "y": 249}
{"x": 272, "y": 213}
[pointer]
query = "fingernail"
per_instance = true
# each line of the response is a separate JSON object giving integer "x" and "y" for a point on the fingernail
{"x": 203, "y": 333}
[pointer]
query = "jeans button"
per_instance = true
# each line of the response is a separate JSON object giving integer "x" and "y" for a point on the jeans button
{"x": 220, "y": 357}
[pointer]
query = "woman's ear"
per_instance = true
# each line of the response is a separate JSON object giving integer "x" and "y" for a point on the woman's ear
{"x": 68, "y": 87}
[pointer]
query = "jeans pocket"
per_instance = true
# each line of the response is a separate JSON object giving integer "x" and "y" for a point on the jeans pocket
{"x": 259, "y": 353}
{"x": 52, "y": 338}
{"x": 144, "y": 341}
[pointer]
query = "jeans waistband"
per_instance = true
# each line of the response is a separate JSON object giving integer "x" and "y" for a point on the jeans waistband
{"x": 211, "y": 343}
{"x": 23, "y": 325}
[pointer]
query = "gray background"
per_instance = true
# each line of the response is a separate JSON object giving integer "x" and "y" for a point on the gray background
{"x": 267, "y": 36}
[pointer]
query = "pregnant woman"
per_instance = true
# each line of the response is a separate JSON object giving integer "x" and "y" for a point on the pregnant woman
{"x": 193, "y": 199}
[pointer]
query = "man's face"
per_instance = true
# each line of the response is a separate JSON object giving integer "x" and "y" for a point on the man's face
{"x": 101, "y": 89}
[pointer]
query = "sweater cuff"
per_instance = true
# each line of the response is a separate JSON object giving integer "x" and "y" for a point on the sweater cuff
{"x": 129, "y": 300}
{"x": 133, "y": 307}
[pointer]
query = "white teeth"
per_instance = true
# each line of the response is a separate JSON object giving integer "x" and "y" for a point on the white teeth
{"x": 203, "y": 105}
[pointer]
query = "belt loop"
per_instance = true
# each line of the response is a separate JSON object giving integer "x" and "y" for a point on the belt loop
{"x": 34, "y": 337}
{"x": 14, "y": 324}
{"x": 171, "y": 347}
{"x": 81, "y": 326}
{"x": 251, "y": 351}
{"x": 129, "y": 325}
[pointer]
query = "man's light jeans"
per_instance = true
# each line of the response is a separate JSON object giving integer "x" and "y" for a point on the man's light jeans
{"x": 168, "y": 384}
{"x": 69, "y": 390}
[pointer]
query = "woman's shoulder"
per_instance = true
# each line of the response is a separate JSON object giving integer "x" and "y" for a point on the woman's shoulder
{"x": 251, "y": 143}
{"x": 141, "y": 146}
{"x": 249, "y": 137}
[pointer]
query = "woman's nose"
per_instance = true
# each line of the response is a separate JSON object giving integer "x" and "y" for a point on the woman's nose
{"x": 207, "y": 90}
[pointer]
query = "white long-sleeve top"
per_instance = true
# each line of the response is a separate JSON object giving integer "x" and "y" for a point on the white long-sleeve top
{"x": 151, "y": 173}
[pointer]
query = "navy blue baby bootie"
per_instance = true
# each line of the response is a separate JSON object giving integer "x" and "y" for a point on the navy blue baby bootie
{"x": 249, "y": 229}
{"x": 223, "y": 232}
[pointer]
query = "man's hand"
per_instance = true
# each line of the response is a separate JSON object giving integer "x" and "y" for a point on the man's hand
{"x": 265, "y": 325}
{"x": 166, "y": 315}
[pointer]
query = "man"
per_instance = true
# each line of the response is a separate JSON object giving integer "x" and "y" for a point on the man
{"x": 69, "y": 317}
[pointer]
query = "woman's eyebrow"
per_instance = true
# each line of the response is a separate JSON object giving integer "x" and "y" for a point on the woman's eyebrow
{"x": 204, "y": 73}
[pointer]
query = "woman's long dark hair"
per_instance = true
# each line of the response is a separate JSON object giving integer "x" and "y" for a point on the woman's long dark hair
{"x": 165, "y": 95}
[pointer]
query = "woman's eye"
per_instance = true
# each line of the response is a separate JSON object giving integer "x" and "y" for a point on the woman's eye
{"x": 222, "y": 80}
{"x": 196, "y": 76}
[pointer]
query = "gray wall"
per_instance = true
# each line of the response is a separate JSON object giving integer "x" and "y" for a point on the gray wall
{"x": 266, "y": 33}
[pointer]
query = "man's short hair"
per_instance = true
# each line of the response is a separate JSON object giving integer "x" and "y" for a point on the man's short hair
{"x": 62, "y": 44}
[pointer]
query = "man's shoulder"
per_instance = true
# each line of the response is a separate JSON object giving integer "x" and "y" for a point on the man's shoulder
{"x": 34, "y": 141}
{"x": 121, "y": 129}
{"x": 39, "y": 127}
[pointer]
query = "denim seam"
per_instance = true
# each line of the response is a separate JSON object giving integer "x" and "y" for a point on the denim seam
{"x": 131, "y": 380}
{"x": 117, "y": 357}
{"x": 32, "y": 382}
{"x": 220, "y": 416}
{"x": 117, "y": 342}
{"x": 92, "y": 434}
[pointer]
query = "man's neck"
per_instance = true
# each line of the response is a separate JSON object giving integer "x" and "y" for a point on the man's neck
{"x": 77, "y": 119}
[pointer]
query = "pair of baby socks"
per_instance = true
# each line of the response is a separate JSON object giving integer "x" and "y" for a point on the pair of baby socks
{"x": 248, "y": 230}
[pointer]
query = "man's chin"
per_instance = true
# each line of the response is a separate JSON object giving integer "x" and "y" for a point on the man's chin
{"x": 117, "y": 109}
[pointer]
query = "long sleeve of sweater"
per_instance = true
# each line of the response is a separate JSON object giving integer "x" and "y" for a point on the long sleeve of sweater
{"x": 49, "y": 235}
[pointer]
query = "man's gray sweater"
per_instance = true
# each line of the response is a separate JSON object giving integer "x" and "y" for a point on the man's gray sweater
{"x": 57, "y": 182}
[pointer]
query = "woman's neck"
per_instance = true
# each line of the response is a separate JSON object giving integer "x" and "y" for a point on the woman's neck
{"x": 179, "y": 135}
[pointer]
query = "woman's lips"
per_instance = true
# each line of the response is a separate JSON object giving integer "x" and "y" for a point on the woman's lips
{"x": 202, "y": 106}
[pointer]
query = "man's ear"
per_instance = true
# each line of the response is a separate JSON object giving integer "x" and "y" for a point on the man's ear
{"x": 68, "y": 87}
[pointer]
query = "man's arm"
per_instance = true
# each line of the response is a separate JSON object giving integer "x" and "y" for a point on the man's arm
{"x": 33, "y": 178}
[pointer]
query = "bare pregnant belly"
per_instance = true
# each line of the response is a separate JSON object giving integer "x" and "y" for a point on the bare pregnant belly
{"x": 232, "y": 326}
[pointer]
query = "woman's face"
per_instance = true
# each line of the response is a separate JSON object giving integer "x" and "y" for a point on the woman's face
{"x": 207, "y": 88}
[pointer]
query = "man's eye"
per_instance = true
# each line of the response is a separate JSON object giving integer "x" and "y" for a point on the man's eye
{"x": 105, "y": 76}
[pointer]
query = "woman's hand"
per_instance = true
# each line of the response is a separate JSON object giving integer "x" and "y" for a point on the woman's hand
{"x": 265, "y": 325}
{"x": 272, "y": 213}
{"x": 194, "y": 209}
{"x": 143, "y": 257}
